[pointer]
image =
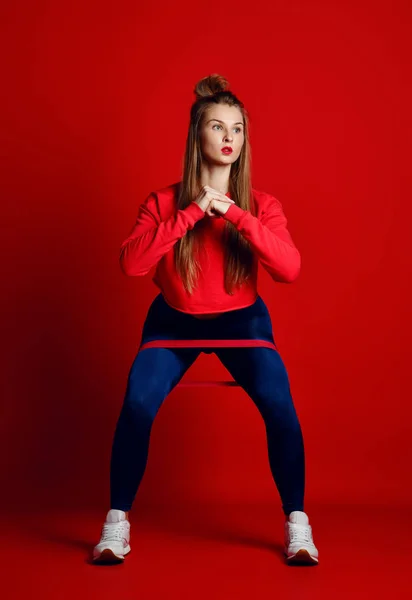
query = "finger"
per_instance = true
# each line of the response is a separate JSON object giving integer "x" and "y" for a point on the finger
{"x": 216, "y": 192}
{"x": 224, "y": 199}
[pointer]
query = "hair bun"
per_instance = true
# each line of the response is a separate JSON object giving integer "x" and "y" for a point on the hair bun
{"x": 212, "y": 84}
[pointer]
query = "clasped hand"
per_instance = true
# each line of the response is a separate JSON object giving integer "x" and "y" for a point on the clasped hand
{"x": 214, "y": 203}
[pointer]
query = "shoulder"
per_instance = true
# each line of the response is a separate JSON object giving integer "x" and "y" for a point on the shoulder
{"x": 162, "y": 201}
{"x": 168, "y": 192}
{"x": 162, "y": 197}
{"x": 265, "y": 200}
{"x": 166, "y": 197}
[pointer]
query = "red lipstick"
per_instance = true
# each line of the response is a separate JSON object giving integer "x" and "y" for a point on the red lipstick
{"x": 227, "y": 150}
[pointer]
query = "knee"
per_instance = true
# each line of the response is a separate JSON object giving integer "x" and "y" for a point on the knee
{"x": 142, "y": 399}
{"x": 275, "y": 403}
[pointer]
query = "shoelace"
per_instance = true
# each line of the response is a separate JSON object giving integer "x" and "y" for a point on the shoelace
{"x": 300, "y": 532}
{"x": 113, "y": 531}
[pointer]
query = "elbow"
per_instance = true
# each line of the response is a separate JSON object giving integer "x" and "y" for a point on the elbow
{"x": 291, "y": 278}
{"x": 125, "y": 268}
{"x": 125, "y": 265}
{"x": 292, "y": 272}
{"x": 131, "y": 268}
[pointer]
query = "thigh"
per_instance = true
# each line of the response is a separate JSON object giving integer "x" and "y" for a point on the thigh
{"x": 155, "y": 372}
{"x": 261, "y": 372}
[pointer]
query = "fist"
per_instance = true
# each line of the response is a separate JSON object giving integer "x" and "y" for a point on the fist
{"x": 218, "y": 207}
{"x": 213, "y": 202}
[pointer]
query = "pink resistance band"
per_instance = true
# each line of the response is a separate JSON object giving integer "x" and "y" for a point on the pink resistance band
{"x": 208, "y": 344}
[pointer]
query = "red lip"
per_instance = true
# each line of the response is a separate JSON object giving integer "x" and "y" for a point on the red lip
{"x": 227, "y": 150}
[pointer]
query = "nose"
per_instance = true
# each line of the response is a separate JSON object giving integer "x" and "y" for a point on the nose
{"x": 228, "y": 137}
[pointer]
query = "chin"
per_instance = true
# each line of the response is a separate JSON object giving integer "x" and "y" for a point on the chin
{"x": 217, "y": 161}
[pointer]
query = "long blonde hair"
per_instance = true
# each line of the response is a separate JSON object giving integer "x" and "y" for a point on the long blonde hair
{"x": 238, "y": 255}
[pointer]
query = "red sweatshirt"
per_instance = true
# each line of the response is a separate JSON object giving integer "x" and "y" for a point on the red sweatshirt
{"x": 159, "y": 225}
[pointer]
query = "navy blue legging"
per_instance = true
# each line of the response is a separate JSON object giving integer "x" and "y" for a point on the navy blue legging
{"x": 262, "y": 374}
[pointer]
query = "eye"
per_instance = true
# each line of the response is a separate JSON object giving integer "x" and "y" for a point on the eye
{"x": 217, "y": 125}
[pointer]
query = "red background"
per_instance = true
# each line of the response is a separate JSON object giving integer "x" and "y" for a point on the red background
{"x": 95, "y": 109}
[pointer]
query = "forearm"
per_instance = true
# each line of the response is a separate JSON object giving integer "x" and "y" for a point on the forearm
{"x": 274, "y": 247}
{"x": 143, "y": 248}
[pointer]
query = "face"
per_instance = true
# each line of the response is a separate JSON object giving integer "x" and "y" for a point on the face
{"x": 222, "y": 126}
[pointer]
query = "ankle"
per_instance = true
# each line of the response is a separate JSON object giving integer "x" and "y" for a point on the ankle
{"x": 126, "y": 513}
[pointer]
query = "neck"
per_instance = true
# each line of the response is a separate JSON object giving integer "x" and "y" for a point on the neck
{"x": 216, "y": 177}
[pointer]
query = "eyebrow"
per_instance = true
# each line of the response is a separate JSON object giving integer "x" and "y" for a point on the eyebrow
{"x": 238, "y": 123}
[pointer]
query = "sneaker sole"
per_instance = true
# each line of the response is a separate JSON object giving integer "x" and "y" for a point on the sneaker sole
{"x": 108, "y": 556}
{"x": 302, "y": 557}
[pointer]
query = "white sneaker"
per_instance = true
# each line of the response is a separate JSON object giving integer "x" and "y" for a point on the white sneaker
{"x": 115, "y": 538}
{"x": 299, "y": 546}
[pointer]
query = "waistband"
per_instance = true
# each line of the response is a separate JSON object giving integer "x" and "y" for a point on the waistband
{"x": 166, "y": 327}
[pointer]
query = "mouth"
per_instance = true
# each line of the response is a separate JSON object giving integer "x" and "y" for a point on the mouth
{"x": 227, "y": 150}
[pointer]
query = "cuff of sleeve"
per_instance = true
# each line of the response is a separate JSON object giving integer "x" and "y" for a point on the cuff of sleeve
{"x": 234, "y": 214}
{"x": 194, "y": 211}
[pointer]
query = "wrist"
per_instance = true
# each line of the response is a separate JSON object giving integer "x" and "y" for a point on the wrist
{"x": 194, "y": 209}
{"x": 202, "y": 208}
{"x": 234, "y": 212}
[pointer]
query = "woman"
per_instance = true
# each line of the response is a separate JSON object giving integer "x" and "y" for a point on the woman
{"x": 206, "y": 235}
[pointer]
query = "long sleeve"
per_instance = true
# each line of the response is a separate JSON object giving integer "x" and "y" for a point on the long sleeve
{"x": 269, "y": 238}
{"x": 151, "y": 238}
